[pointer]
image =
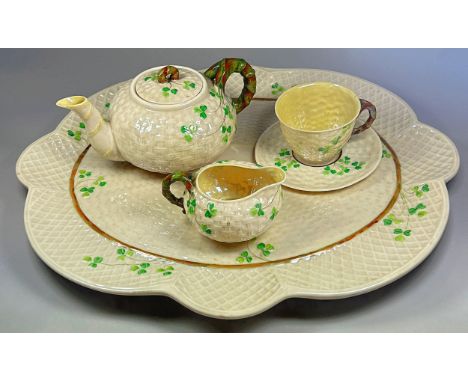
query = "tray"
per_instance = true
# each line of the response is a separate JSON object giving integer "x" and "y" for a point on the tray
{"x": 123, "y": 238}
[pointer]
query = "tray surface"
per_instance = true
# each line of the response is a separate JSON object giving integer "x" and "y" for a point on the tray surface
{"x": 348, "y": 242}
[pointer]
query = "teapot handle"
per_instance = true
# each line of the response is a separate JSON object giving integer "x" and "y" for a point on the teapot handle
{"x": 178, "y": 176}
{"x": 220, "y": 72}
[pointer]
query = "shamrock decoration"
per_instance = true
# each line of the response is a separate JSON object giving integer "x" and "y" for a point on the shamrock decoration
{"x": 215, "y": 93}
{"x": 418, "y": 209}
{"x": 390, "y": 219}
{"x": 189, "y": 85}
{"x": 325, "y": 149}
{"x": 276, "y": 88}
{"x": 335, "y": 140}
{"x": 266, "y": 249}
{"x": 244, "y": 257}
{"x": 284, "y": 152}
{"x": 257, "y": 210}
{"x": 152, "y": 77}
{"x": 285, "y": 160}
{"x": 76, "y": 134}
{"x": 340, "y": 170}
{"x": 358, "y": 165}
{"x": 341, "y": 166}
{"x": 191, "y": 204}
{"x": 401, "y": 234}
{"x": 84, "y": 173}
{"x": 140, "y": 269}
{"x": 227, "y": 112}
{"x": 420, "y": 191}
{"x": 122, "y": 253}
{"x": 107, "y": 105}
{"x": 226, "y": 131}
{"x": 386, "y": 154}
{"x": 274, "y": 212}
{"x": 167, "y": 91}
{"x": 205, "y": 229}
{"x": 98, "y": 182}
{"x": 166, "y": 271}
{"x": 86, "y": 191}
{"x": 188, "y": 132}
{"x": 201, "y": 110}
{"x": 211, "y": 211}
{"x": 93, "y": 262}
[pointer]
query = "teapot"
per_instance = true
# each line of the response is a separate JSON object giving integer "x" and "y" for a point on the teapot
{"x": 229, "y": 201}
{"x": 168, "y": 118}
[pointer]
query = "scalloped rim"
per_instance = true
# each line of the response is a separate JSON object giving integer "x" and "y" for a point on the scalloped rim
{"x": 282, "y": 294}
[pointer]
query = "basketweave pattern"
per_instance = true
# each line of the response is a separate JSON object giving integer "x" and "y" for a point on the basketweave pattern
{"x": 317, "y": 148}
{"x": 133, "y": 209}
{"x": 369, "y": 261}
{"x": 234, "y": 222}
{"x": 153, "y": 140}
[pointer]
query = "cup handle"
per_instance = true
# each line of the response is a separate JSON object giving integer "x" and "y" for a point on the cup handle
{"x": 178, "y": 176}
{"x": 366, "y": 105}
{"x": 220, "y": 72}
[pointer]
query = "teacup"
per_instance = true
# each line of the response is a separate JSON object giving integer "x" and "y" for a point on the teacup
{"x": 229, "y": 201}
{"x": 318, "y": 119}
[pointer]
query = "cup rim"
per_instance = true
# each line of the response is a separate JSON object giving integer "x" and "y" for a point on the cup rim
{"x": 349, "y": 91}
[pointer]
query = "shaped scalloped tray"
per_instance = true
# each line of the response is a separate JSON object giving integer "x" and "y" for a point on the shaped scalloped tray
{"x": 69, "y": 232}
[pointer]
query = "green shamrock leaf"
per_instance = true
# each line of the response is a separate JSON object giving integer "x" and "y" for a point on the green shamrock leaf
{"x": 283, "y": 152}
{"x": 274, "y": 212}
{"x": 211, "y": 211}
{"x": 205, "y": 229}
{"x": 70, "y": 133}
{"x": 324, "y": 150}
{"x": 425, "y": 187}
{"x": 244, "y": 256}
{"x": 82, "y": 125}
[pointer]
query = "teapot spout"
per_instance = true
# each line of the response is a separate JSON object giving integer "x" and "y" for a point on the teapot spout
{"x": 99, "y": 133}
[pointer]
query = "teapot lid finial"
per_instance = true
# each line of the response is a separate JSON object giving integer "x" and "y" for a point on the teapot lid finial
{"x": 168, "y": 85}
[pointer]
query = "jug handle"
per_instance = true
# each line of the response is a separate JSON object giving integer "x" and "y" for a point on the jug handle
{"x": 220, "y": 72}
{"x": 178, "y": 176}
{"x": 366, "y": 105}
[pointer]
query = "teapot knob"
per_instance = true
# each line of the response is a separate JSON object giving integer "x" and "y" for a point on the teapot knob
{"x": 168, "y": 74}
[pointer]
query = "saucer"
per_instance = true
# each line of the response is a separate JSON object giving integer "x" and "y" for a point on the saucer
{"x": 358, "y": 159}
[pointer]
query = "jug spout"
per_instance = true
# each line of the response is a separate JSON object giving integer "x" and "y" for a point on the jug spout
{"x": 99, "y": 133}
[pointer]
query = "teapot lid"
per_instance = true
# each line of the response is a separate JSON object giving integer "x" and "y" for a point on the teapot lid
{"x": 168, "y": 86}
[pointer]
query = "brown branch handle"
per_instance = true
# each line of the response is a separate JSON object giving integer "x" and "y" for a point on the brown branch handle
{"x": 178, "y": 176}
{"x": 168, "y": 74}
{"x": 220, "y": 72}
{"x": 366, "y": 105}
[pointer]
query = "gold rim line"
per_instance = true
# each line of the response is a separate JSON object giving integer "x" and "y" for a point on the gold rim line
{"x": 237, "y": 266}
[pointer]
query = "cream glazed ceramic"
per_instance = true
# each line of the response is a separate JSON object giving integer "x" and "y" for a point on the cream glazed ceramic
{"x": 229, "y": 201}
{"x": 318, "y": 119}
{"x": 106, "y": 226}
{"x": 359, "y": 159}
{"x": 168, "y": 118}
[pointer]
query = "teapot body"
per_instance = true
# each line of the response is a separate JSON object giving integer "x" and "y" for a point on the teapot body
{"x": 163, "y": 140}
